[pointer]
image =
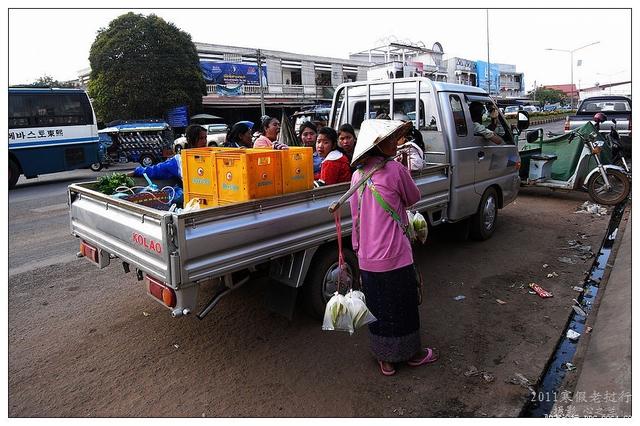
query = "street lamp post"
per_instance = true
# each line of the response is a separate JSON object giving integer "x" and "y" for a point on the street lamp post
{"x": 571, "y": 54}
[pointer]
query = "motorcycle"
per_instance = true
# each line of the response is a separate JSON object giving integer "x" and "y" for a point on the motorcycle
{"x": 612, "y": 138}
{"x": 561, "y": 164}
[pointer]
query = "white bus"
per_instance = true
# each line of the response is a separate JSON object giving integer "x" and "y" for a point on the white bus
{"x": 50, "y": 130}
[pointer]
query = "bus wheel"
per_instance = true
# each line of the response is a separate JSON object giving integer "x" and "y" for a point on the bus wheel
{"x": 146, "y": 160}
{"x": 14, "y": 173}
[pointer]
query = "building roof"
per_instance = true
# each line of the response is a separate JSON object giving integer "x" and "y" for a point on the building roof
{"x": 566, "y": 88}
{"x": 603, "y": 86}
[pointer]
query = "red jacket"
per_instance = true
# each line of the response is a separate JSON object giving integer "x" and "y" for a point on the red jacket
{"x": 335, "y": 168}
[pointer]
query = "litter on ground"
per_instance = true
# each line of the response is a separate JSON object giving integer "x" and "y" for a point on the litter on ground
{"x": 572, "y": 335}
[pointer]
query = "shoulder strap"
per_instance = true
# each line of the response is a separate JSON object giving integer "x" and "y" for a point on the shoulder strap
{"x": 406, "y": 229}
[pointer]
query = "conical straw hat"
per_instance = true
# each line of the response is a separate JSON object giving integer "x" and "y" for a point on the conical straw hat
{"x": 373, "y": 132}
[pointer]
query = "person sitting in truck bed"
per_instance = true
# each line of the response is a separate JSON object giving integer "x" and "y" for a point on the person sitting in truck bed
{"x": 239, "y": 136}
{"x": 335, "y": 164}
{"x": 269, "y": 129}
{"x": 476, "y": 110}
{"x": 308, "y": 136}
{"x": 172, "y": 168}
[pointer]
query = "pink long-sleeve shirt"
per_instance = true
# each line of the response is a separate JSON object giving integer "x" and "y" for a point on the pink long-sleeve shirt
{"x": 380, "y": 243}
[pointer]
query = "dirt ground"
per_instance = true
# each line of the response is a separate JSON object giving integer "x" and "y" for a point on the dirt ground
{"x": 85, "y": 342}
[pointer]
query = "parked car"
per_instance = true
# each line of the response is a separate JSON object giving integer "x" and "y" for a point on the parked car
{"x": 216, "y": 135}
{"x": 530, "y": 108}
{"x": 511, "y": 111}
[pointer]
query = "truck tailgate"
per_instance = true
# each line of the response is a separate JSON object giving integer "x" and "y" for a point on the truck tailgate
{"x": 136, "y": 234}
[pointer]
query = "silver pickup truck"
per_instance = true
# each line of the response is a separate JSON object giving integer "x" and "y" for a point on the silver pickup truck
{"x": 465, "y": 178}
{"x": 616, "y": 108}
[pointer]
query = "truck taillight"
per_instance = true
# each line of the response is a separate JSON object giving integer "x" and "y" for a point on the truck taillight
{"x": 89, "y": 252}
{"x": 161, "y": 292}
{"x": 566, "y": 124}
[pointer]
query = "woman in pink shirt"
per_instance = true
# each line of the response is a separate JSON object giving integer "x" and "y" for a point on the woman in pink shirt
{"x": 385, "y": 257}
{"x": 269, "y": 129}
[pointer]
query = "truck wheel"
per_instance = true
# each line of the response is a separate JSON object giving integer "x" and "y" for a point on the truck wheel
{"x": 483, "y": 223}
{"x": 212, "y": 144}
{"x": 14, "y": 174}
{"x": 147, "y": 160}
{"x": 620, "y": 187}
{"x": 178, "y": 149}
{"x": 320, "y": 282}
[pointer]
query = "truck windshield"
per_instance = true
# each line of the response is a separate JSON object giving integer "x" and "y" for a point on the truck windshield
{"x": 605, "y": 105}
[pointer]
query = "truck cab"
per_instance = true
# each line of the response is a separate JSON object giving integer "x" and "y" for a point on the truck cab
{"x": 477, "y": 166}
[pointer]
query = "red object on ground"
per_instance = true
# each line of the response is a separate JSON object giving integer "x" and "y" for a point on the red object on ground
{"x": 540, "y": 291}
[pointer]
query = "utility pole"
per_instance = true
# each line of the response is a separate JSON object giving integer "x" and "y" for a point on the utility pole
{"x": 488, "y": 61}
{"x": 259, "y": 60}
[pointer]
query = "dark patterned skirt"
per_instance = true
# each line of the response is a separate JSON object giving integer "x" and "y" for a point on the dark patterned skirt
{"x": 392, "y": 298}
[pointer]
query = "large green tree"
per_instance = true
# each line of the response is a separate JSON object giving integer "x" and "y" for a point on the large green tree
{"x": 548, "y": 96}
{"x": 141, "y": 66}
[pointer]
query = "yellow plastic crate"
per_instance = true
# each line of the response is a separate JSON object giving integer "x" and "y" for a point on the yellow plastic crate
{"x": 247, "y": 174}
{"x": 297, "y": 169}
{"x": 198, "y": 172}
{"x": 198, "y": 175}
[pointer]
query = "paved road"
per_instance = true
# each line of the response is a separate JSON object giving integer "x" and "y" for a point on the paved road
{"x": 38, "y": 219}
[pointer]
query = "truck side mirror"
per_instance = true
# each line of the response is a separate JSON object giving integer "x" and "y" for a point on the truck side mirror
{"x": 523, "y": 120}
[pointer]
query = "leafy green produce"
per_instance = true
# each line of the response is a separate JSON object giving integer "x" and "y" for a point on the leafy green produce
{"x": 107, "y": 184}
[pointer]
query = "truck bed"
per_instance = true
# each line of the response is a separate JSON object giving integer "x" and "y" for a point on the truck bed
{"x": 183, "y": 248}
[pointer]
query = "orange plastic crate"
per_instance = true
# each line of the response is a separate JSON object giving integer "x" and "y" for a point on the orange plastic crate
{"x": 297, "y": 169}
{"x": 247, "y": 174}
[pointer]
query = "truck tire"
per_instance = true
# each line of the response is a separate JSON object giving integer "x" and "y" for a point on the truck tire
{"x": 212, "y": 144}
{"x": 178, "y": 149}
{"x": 319, "y": 287}
{"x": 620, "y": 187}
{"x": 483, "y": 223}
{"x": 14, "y": 173}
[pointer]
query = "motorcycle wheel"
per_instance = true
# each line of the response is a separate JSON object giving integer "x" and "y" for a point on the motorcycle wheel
{"x": 619, "y": 190}
{"x": 96, "y": 167}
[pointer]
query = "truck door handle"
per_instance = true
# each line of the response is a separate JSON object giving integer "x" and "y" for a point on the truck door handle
{"x": 480, "y": 155}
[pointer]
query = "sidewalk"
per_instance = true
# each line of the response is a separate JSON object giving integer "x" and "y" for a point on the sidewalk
{"x": 604, "y": 385}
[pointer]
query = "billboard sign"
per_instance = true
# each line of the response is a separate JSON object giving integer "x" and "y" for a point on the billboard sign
{"x": 483, "y": 76}
{"x": 232, "y": 73}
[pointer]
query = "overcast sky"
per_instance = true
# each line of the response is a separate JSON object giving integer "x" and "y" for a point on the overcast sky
{"x": 57, "y": 42}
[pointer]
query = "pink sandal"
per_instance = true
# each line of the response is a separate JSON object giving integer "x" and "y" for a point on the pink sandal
{"x": 429, "y": 357}
{"x": 385, "y": 371}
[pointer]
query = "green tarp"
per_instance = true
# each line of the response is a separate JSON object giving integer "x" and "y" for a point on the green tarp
{"x": 568, "y": 154}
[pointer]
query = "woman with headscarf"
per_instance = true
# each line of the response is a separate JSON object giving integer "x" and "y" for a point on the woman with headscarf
{"x": 385, "y": 258}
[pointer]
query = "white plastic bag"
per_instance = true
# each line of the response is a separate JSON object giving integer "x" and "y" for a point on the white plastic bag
{"x": 337, "y": 315}
{"x": 420, "y": 227}
{"x": 360, "y": 314}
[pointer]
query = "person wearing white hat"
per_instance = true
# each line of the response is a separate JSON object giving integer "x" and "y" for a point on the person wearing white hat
{"x": 379, "y": 237}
